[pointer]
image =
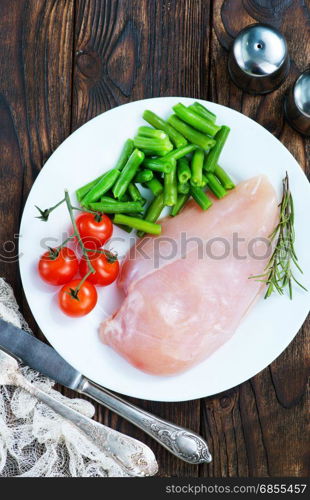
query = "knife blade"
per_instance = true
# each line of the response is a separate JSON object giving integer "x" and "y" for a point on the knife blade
{"x": 37, "y": 355}
{"x": 182, "y": 442}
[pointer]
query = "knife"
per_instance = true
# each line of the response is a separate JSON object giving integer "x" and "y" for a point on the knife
{"x": 181, "y": 442}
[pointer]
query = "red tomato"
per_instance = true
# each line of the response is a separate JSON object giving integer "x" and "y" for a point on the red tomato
{"x": 82, "y": 304}
{"x": 58, "y": 267}
{"x": 94, "y": 229}
{"x": 107, "y": 268}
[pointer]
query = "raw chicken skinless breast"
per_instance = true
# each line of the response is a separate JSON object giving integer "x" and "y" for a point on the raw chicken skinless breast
{"x": 185, "y": 300}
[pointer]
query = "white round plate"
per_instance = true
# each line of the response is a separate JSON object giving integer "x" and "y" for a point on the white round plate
{"x": 87, "y": 153}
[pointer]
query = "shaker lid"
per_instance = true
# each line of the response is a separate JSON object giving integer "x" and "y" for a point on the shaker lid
{"x": 302, "y": 92}
{"x": 259, "y": 50}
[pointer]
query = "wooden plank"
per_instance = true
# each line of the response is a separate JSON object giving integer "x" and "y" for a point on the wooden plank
{"x": 35, "y": 96}
{"x": 258, "y": 429}
{"x": 131, "y": 50}
{"x": 137, "y": 49}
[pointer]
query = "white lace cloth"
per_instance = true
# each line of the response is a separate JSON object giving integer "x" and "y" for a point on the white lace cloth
{"x": 35, "y": 441}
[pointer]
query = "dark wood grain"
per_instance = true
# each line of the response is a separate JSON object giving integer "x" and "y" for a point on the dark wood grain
{"x": 36, "y": 40}
{"x": 62, "y": 62}
{"x": 259, "y": 428}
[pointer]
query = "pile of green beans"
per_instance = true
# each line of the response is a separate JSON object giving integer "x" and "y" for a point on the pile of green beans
{"x": 174, "y": 159}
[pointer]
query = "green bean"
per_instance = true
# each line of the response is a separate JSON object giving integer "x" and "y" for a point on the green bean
{"x": 126, "y": 152}
{"x": 127, "y": 228}
{"x": 204, "y": 181}
{"x": 121, "y": 226}
{"x": 215, "y": 186}
{"x": 214, "y": 154}
{"x": 171, "y": 187}
{"x": 151, "y": 154}
{"x": 194, "y": 136}
{"x": 82, "y": 191}
{"x": 196, "y": 167}
{"x": 102, "y": 186}
{"x": 113, "y": 206}
{"x": 182, "y": 200}
{"x": 183, "y": 171}
{"x": 128, "y": 173}
{"x": 140, "y": 224}
{"x": 223, "y": 177}
{"x": 124, "y": 228}
{"x": 135, "y": 193}
{"x": 138, "y": 215}
{"x": 179, "y": 153}
{"x": 201, "y": 198}
{"x": 152, "y": 133}
{"x": 183, "y": 188}
{"x": 176, "y": 138}
{"x": 194, "y": 120}
{"x": 154, "y": 210}
{"x": 124, "y": 197}
{"x": 143, "y": 176}
{"x": 198, "y": 108}
{"x": 158, "y": 164}
{"x": 155, "y": 186}
{"x": 153, "y": 146}
{"x": 109, "y": 199}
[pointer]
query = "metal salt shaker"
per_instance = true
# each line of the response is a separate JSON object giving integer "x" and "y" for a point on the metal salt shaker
{"x": 258, "y": 61}
{"x": 297, "y": 104}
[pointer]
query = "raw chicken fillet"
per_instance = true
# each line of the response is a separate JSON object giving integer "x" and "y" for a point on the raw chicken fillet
{"x": 187, "y": 290}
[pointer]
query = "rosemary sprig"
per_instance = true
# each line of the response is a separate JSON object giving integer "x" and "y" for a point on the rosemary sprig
{"x": 278, "y": 273}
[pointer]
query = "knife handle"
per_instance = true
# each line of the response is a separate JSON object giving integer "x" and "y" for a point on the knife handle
{"x": 134, "y": 457}
{"x": 183, "y": 443}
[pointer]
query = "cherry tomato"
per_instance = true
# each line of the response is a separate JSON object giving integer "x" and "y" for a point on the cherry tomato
{"x": 106, "y": 267}
{"x": 57, "y": 267}
{"x": 82, "y": 304}
{"x": 94, "y": 229}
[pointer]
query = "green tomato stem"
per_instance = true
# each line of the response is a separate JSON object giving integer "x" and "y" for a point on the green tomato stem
{"x": 77, "y": 234}
{"x": 44, "y": 214}
{"x": 57, "y": 249}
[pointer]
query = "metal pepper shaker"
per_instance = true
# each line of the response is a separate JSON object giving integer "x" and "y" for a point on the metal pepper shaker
{"x": 297, "y": 104}
{"x": 258, "y": 60}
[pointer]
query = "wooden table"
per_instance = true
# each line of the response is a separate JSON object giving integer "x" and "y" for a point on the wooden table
{"x": 63, "y": 62}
